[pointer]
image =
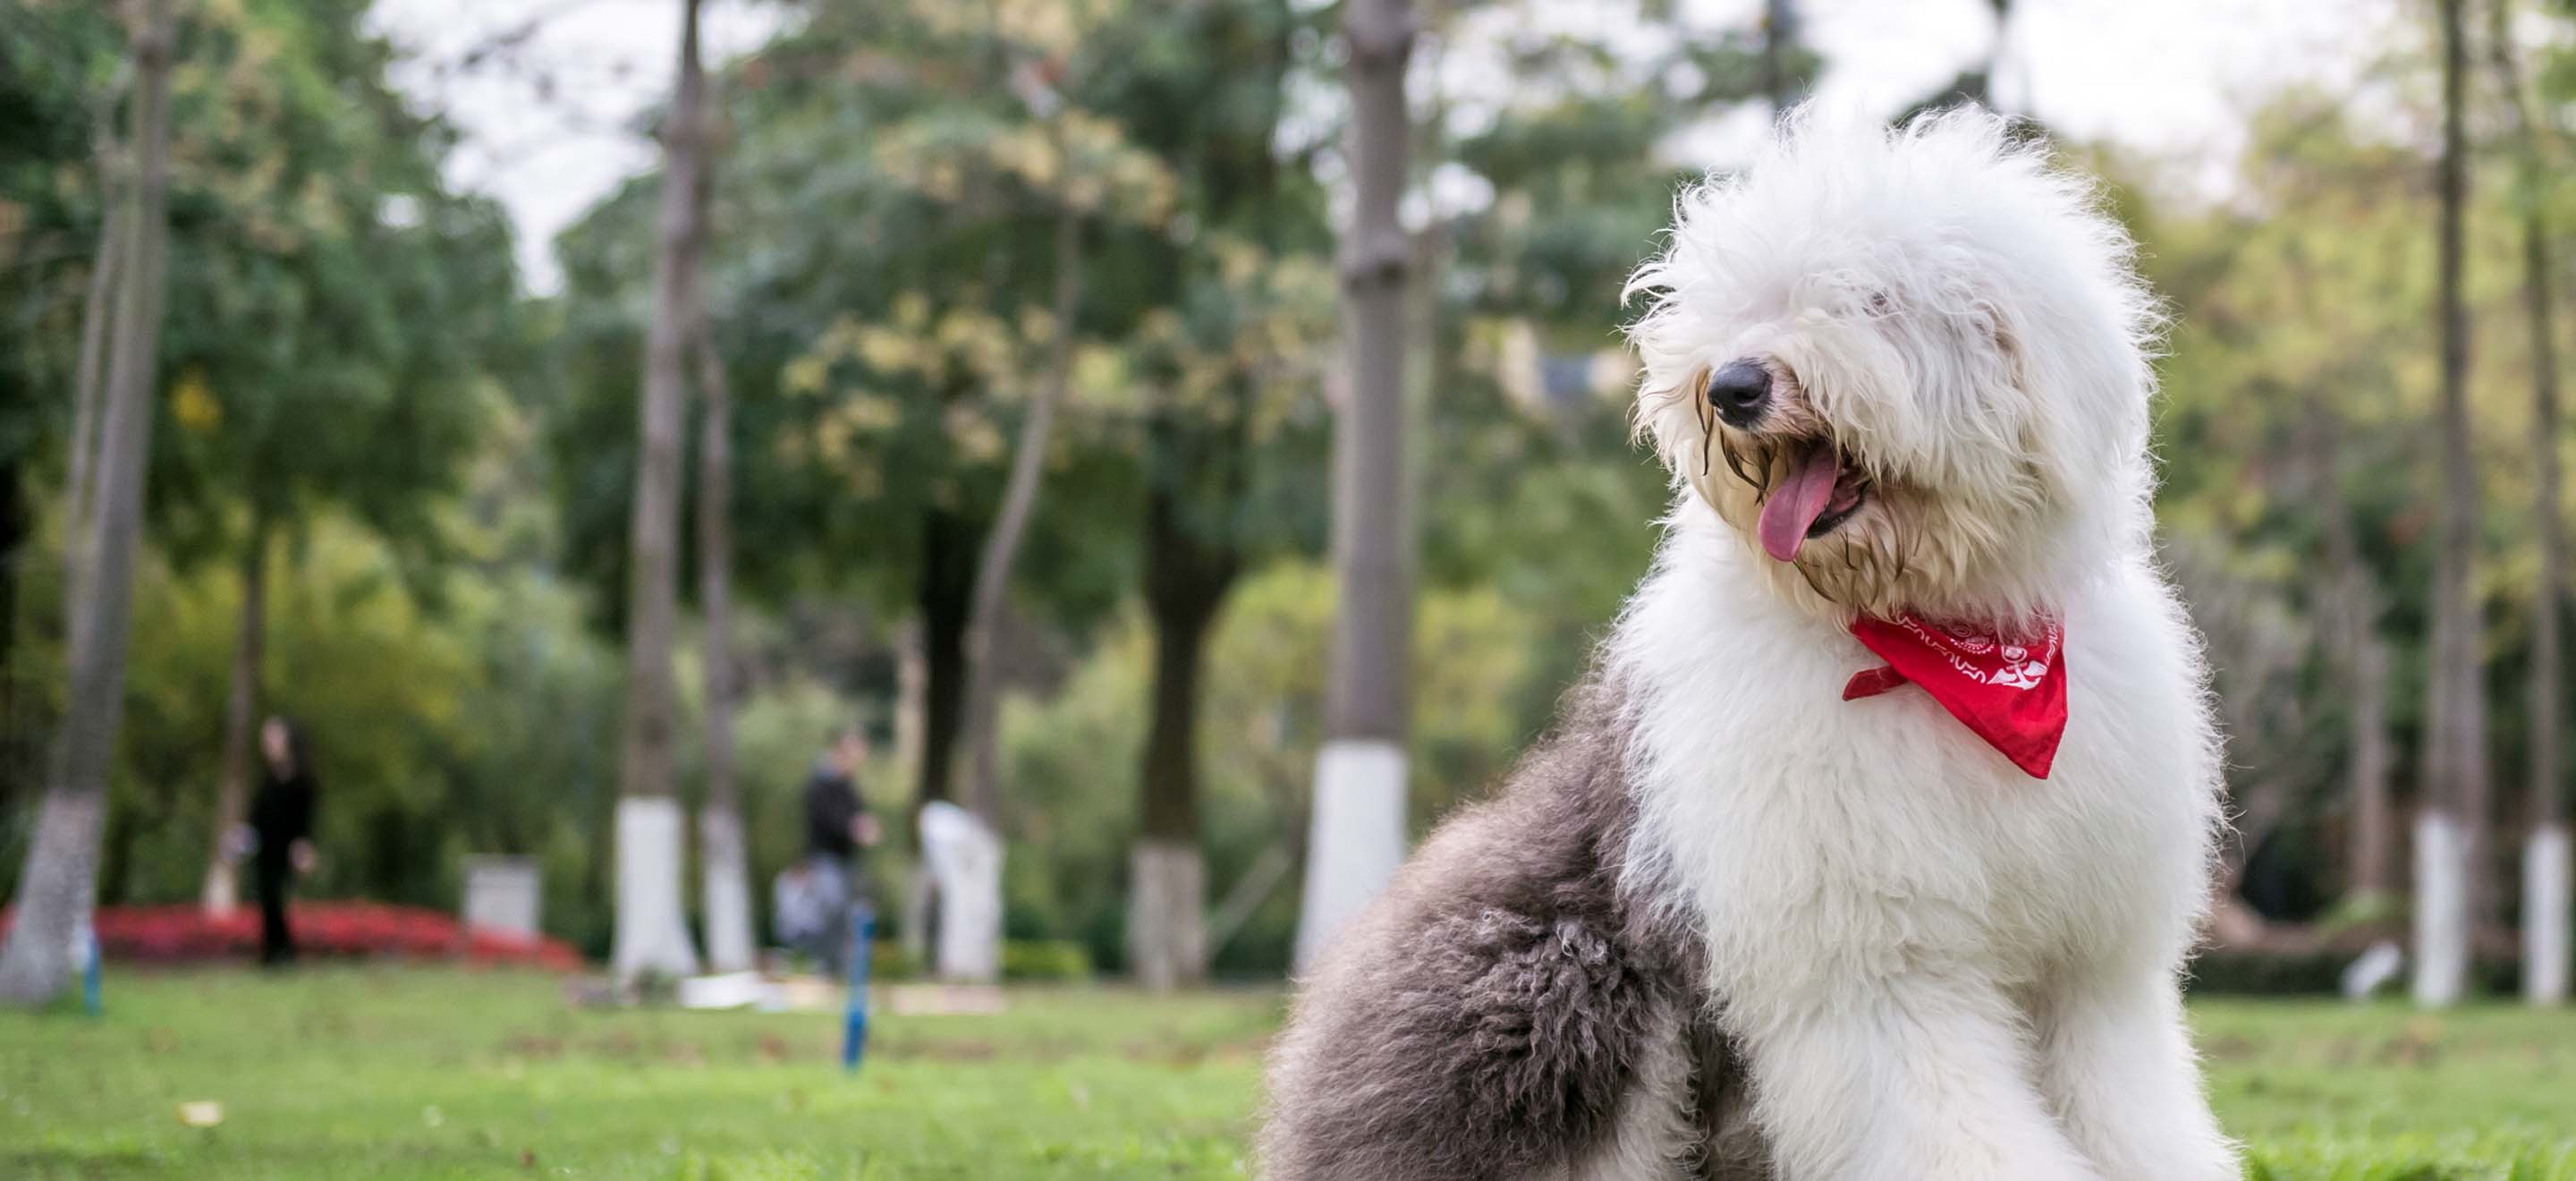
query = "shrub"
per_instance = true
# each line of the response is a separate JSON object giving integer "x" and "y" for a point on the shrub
{"x": 185, "y": 934}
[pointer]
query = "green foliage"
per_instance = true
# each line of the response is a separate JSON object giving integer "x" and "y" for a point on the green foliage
{"x": 1071, "y": 757}
{"x": 327, "y": 291}
{"x": 2305, "y": 300}
{"x": 1045, "y": 961}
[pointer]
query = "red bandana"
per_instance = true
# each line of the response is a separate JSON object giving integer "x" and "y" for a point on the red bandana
{"x": 2012, "y": 694}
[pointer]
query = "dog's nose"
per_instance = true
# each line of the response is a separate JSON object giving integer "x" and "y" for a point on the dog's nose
{"x": 1740, "y": 391}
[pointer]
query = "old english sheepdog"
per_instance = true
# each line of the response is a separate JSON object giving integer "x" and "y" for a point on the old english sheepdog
{"x": 1875, "y": 843}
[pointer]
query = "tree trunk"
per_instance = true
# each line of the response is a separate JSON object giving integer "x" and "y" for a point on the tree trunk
{"x": 652, "y": 933}
{"x": 2361, "y": 657}
{"x": 58, "y": 885}
{"x": 1186, "y": 582}
{"x": 17, "y": 528}
{"x": 97, "y": 311}
{"x": 724, "y": 864}
{"x": 1779, "y": 41}
{"x": 1002, "y": 544}
{"x": 2369, "y": 884}
{"x": 2455, "y": 788}
{"x": 2545, "y": 902}
{"x": 946, "y": 590}
{"x": 1358, "y": 812}
{"x": 944, "y": 597}
{"x": 221, "y": 892}
{"x": 85, "y": 392}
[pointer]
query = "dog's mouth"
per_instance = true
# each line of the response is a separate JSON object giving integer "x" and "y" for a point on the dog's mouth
{"x": 1820, "y": 489}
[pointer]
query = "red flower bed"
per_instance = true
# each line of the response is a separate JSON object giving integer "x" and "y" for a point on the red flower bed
{"x": 185, "y": 934}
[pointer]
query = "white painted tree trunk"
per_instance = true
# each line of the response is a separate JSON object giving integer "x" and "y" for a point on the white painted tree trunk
{"x": 58, "y": 884}
{"x": 1166, "y": 914}
{"x": 726, "y": 882}
{"x": 965, "y": 863}
{"x": 2545, "y": 917}
{"x": 726, "y": 876}
{"x": 1356, "y": 833}
{"x": 1357, "y": 837}
{"x": 2441, "y": 910}
{"x": 652, "y": 932}
{"x": 2544, "y": 860}
{"x": 2452, "y": 889}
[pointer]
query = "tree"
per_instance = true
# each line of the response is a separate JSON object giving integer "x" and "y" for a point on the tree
{"x": 1221, "y": 336}
{"x": 87, "y": 391}
{"x": 723, "y": 856}
{"x": 59, "y": 883}
{"x": 2545, "y": 901}
{"x": 1357, "y": 834}
{"x": 1010, "y": 525}
{"x": 342, "y": 297}
{"x": 1781, "y": 83}
{"x": 652, "y": 931}
{"x": 2450, "y": 829}
{"x": 63, "y": 70}
{"x": 2361, "y": 657}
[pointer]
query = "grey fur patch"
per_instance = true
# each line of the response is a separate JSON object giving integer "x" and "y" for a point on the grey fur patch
{"x": 1493, "y": 1012}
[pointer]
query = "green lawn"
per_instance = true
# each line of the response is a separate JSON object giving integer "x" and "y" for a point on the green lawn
{"x": 388, "y": 1072}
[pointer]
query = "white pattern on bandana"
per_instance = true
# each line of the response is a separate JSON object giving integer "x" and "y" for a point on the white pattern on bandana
{"x": 2021, "y": 669}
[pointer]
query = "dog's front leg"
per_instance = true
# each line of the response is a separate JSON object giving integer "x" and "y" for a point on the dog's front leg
{"x": 1908, "y": 1078}
{"x": 2117, "y": 1065}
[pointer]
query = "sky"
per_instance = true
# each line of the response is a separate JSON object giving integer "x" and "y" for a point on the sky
{"x": 549, "y": 123}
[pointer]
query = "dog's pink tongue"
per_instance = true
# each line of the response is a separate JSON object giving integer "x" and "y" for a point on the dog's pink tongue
{"x": 1794, "y": 506}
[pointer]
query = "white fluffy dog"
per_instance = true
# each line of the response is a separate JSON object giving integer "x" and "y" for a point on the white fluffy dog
{"x": 1874, "y": 846}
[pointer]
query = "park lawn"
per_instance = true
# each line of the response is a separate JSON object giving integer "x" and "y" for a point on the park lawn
{"x": 417, "y": 1072}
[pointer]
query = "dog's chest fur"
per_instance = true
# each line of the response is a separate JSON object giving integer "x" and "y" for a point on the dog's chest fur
{"x": 1815, "y": 840}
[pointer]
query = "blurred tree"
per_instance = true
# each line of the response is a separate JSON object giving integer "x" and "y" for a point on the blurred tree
{"x": 2362, "y": 659}
{"x": 1229, "y": 320}
{"x": 1781, "y": 80}
{"x": 724, "y": 858}
{"x": 63, "y": 70}
{"x": 1260, "y": 707}
{"x": 2451, "y": 829}
{"x": 342, "y": 300}
{"x": 2546, "y": 909}
{"x": 1548, "y": 175}
{"x": 880, "y": 354}
{"x": 652, "y": 929}
{"x": 59, "y": 883}
{"x": 1357, "y": 836}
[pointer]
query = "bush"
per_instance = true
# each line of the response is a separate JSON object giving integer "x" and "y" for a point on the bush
{"x": 2316, "y": 972}
{"x": 1054, "y": 961}
{"x": 187, "y": 935}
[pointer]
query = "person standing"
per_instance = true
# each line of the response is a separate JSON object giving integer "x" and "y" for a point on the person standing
{"x": 281, "y": 824}
{"x": 838, "y": 829}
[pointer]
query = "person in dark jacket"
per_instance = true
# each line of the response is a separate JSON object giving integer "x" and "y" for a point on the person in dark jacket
{"x": 281, "y": 824}
{"x": 837, "y": 829}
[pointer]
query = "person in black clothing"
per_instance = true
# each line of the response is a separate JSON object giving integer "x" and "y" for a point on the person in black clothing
{"x": 281, "y": 824}
{"x": 837, "y": 829}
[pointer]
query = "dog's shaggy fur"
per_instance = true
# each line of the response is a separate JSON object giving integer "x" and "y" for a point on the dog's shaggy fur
{"x": 1723, "y": 923}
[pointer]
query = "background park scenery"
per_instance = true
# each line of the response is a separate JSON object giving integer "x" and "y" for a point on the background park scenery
{"x": 578, "y": 417}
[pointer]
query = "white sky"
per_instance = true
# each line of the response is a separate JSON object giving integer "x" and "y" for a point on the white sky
{"x": 549, "y": 128}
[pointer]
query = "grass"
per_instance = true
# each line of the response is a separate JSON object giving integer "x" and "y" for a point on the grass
{"x": 401, "y": 1073}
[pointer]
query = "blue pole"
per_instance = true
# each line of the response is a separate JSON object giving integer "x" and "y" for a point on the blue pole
{"x": 854, "y": 1029}
{"x": 90, "y": 1001}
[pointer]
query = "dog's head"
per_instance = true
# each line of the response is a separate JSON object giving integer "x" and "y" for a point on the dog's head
{"x": 1909, "y": 367}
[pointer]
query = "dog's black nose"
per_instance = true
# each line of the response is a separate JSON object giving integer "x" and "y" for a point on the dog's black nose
{"x": 1739, "y": 392}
